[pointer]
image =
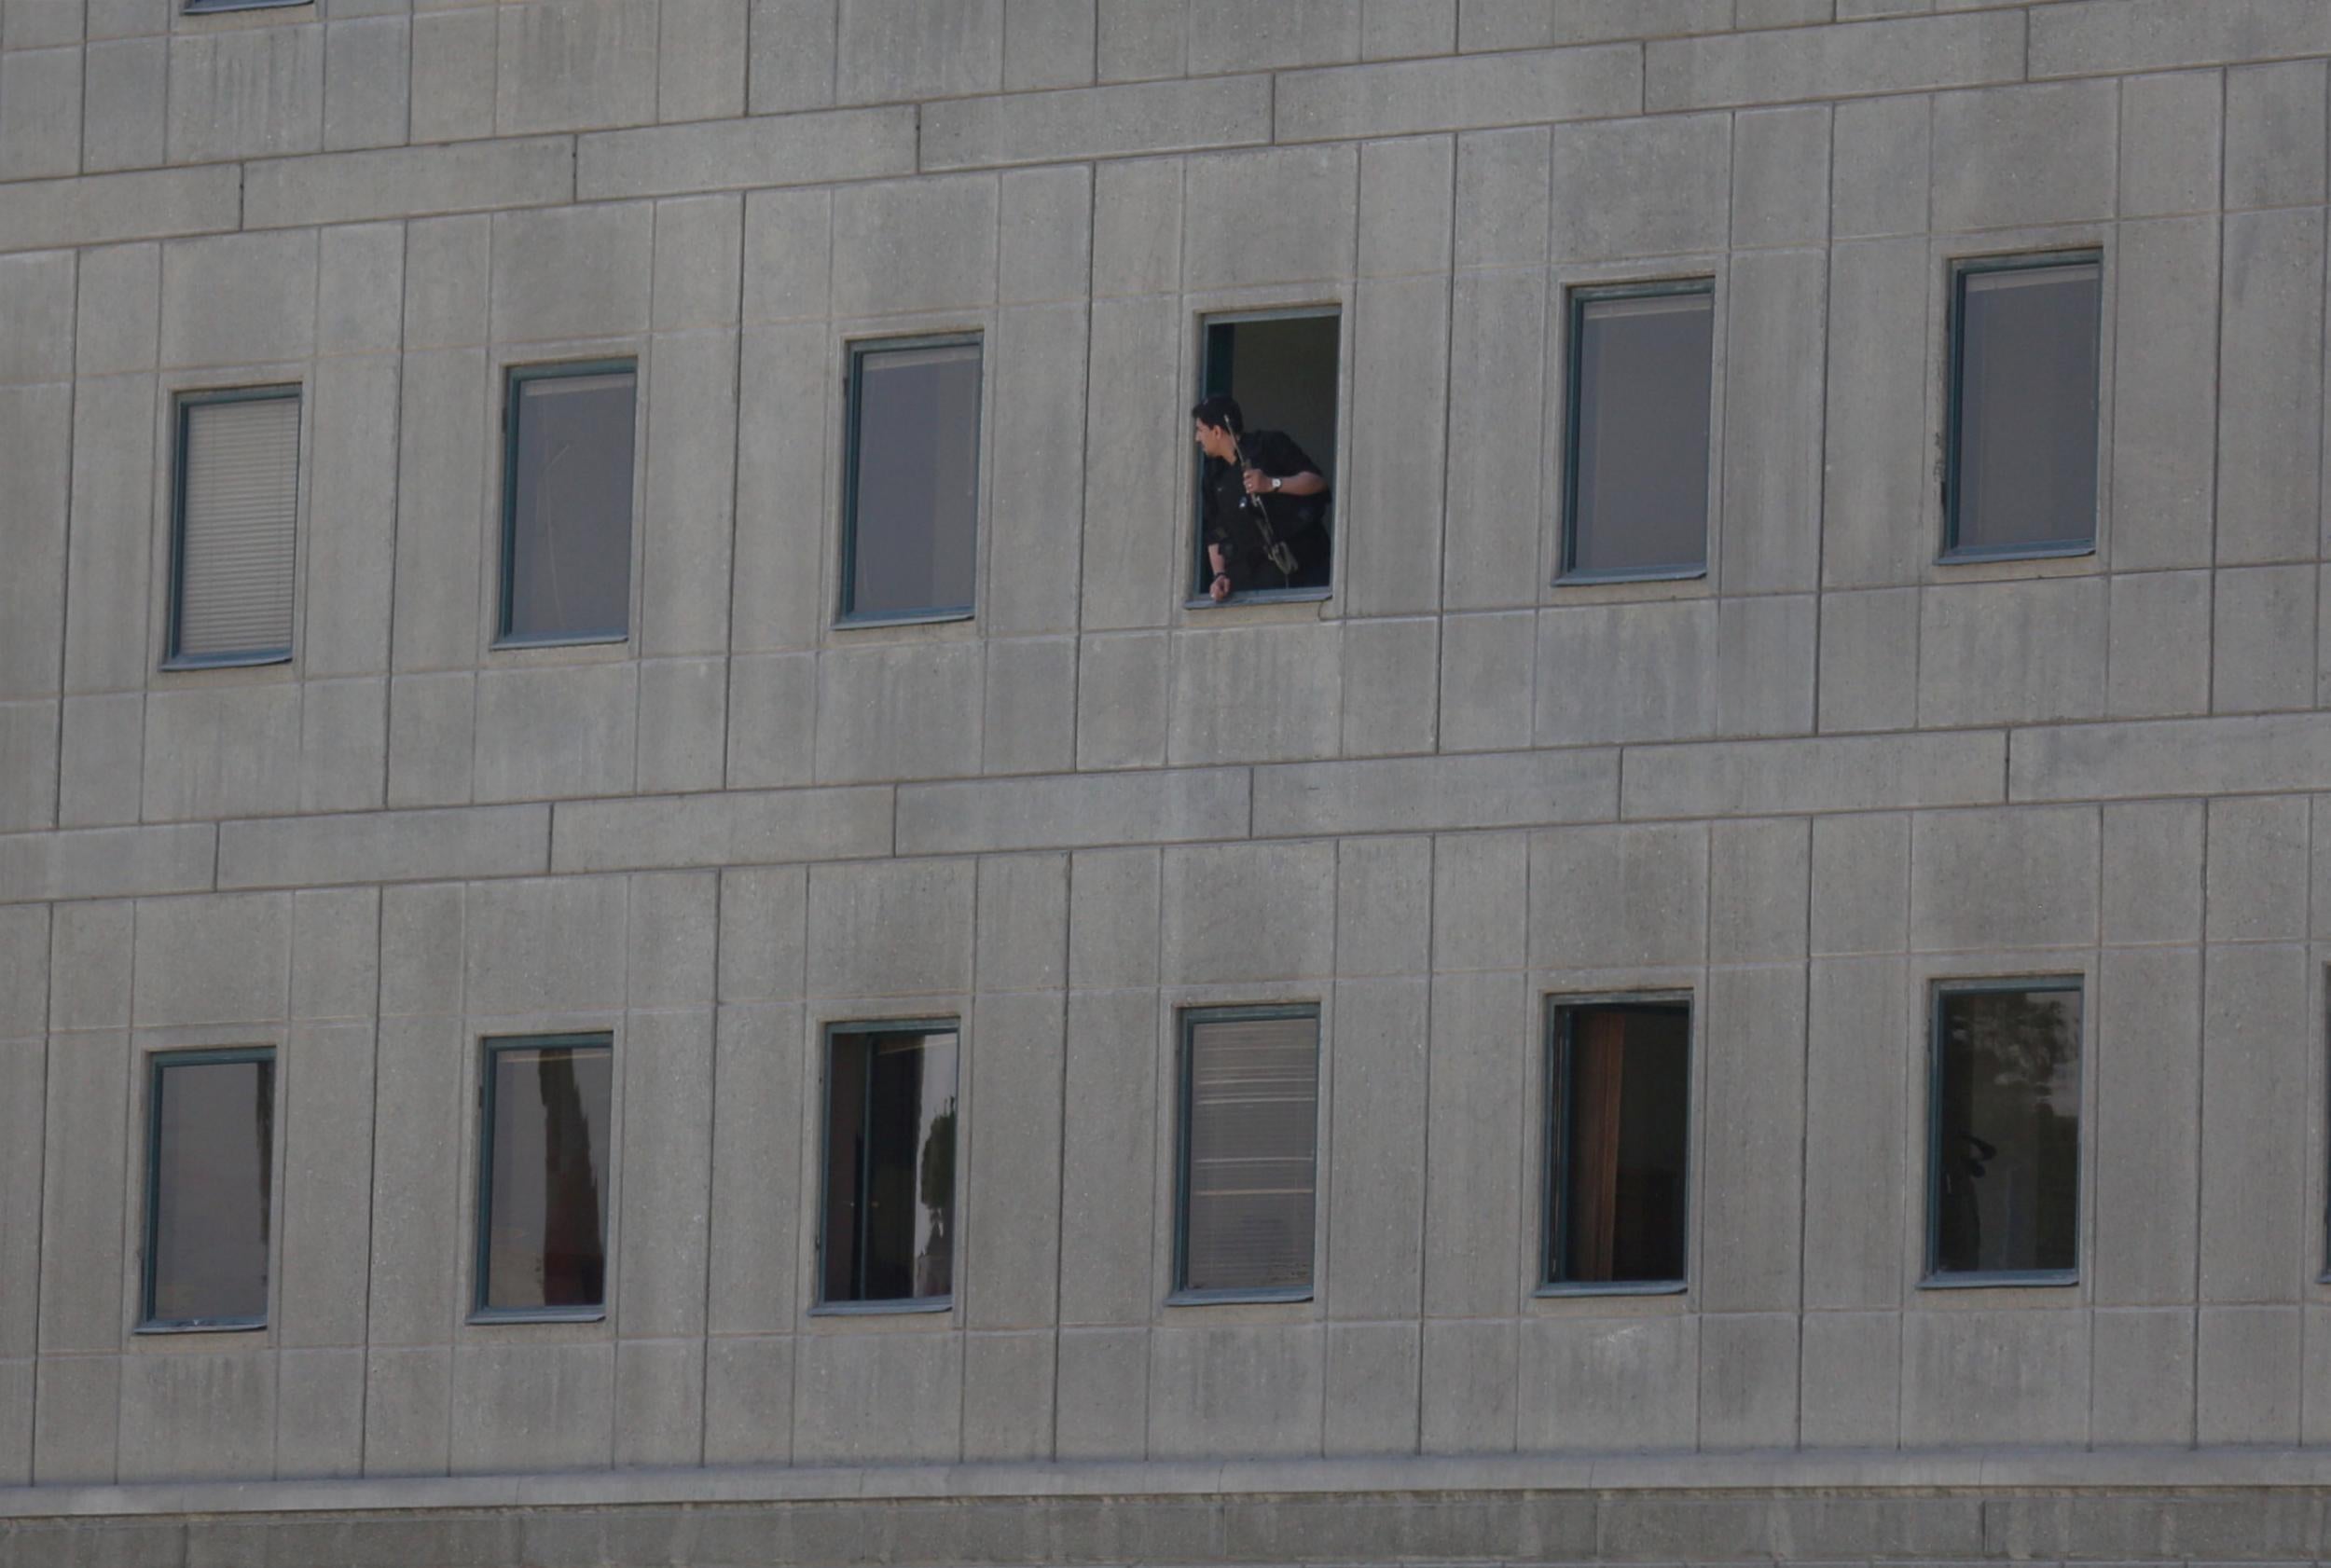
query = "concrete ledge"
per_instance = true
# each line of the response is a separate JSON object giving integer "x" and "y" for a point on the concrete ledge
{"x": 100, "y": 209}
{"x": 2270, "y": 753}
{"x": 385, "y": 846}
{"x": 1405, "y": 97}
{"x": 745, "y": 154}
{"x": 1850, "y": 773}
{"x": 2094, "y": 36}
{"x": 659, "y": 832}
{"x": 1174, "y": 805}
{"x": 1426, "y": 795}
{"x": 1137, "y": 118}
{"x": 108, "y": 862}
{"x": 1911, "y": 54}
{"x": 405, "y": 182}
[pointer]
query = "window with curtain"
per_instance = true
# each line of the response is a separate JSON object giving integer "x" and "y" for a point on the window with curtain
{"x": 1249, "y": 1142}
{"x": 210, "y": 1188}
{"x": 889, "y": 1233}
{"x": 911, "y": 512}
{"x": 542, "y": 1203}
{"x": 1619, "y": 1079}
{"x": 2005, "y": 1164}
{"x": 2023, "y": 405}
{"x": 1641, "y": 380}
{"x": 235, "y": 527}
{"x": 566, "y": 530}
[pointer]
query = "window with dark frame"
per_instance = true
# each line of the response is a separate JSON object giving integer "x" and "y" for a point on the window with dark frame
{"x": 2004, "y": 1145}
{"x": 1284, "y": 370}
{"x": 210, "y": 1188}
{"x": 234, "y": 526}
{"x": 545, "y": 1108}
{"x": 1249, "y": 1122}
{"x": 1618, "y": 1119}
{"x": 199, "y": 8}
{"x": 1641, "y": 390}
{"x": 2020, "y": 477}
{"x": 566, "y": 520}
{"x": 888, "y": 1233}
{"x": 910, "y": 520}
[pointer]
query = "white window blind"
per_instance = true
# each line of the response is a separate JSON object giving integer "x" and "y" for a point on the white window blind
{"x": 236, "y": 526}
{"x": 1253, "y": 1129}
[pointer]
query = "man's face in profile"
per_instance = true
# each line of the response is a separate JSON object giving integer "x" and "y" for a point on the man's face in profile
{"x": 1215, "y": 442}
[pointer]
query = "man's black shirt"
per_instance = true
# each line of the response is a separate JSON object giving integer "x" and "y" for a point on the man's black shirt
{"x": 1301, "y": 521}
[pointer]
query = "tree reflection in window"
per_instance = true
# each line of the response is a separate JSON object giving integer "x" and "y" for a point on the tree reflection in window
{"x": 2006, "y": 1131}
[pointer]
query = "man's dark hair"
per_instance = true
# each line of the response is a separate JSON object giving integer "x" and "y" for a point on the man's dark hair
{"x": 1221, "y": 412}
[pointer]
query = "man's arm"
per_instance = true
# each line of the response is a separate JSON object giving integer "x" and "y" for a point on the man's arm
{"x": 1306, "y": 483}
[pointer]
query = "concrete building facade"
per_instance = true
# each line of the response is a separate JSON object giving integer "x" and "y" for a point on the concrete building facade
{"x": 1803, "y": 788}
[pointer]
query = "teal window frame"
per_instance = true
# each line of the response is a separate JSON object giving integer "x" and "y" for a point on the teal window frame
{"x": 482, "y": 1220}
{"x": 1954, "y": 427}
{"x": 181, "y": 421}
{"x": 514, "y": 376}
{"x": 157, "y": 1063}
{"x": 819, "y": 1306}
{"x": 1931, "y": 1277}
{"x": 1181, "y": 1295}
{"x": 1214, "y": 376}
{"x": 1567, "y": 570}
{"x": 854, "y": 382}
{"x": 1554, "y": 1200}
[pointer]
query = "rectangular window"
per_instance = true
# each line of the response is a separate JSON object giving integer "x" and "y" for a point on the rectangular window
{"x": 542, "y": 1191}
{"x": 566, "y": 527}
{"x": 210, "y": 1188}
{"x": 1619, "y": 1096}
{"x": 890, "y": 1165}
{"x": 197, "y": 7}
{"x": 910, "y": 517}
{"x": 1249, "y": 1138}
{"x": 1281, "y": 370}
{"x": 235, "y": 526}
{"x": 2004, "y": 1174}
{"x": 2021, "y": 478}
{"x": 1642, "y": 374}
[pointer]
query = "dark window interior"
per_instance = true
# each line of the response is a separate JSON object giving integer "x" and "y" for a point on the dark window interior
{"x": 2008, "y": 1132}
{"x": 212, "y": 1185}
{"x": 1283, "y": 370}
{"x": 1621, "y": 1083}
{"x": 890, "y": 1183}
{"x": 1250, "y": 1095}
{"x": 2023, "y": 458}
{"x": 1641, "y": 378}
{"x": 567, "y": 551}
{"x": 545, "y": 1201}
{"x": 913, "y": 480}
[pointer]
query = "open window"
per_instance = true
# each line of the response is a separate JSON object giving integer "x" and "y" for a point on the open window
{"x": 888, "y": 1240}
{"x": 1282, "y": 368}
{"x": 1618, "y": 1136}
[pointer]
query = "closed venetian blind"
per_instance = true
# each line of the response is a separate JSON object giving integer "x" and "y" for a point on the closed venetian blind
{"x": 235, "y": 547}
{"x": 1253, "y": 1109}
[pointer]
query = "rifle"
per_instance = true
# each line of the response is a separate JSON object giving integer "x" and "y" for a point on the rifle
{"x": 1272, "y": 546}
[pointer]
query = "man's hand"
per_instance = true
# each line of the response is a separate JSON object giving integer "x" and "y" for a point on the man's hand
{"x": 1258, "y": 482}
{"x": 1219, "y": 589}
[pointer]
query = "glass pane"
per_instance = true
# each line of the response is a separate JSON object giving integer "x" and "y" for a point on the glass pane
{"x": 571, "y": 506}
{"x": 2007, "y": 1169}
{"x": 546, "y": 1200}
{"x": 213, "y": 1182}
{"x": 2027, "y": 408}
{"x": 889, "y": 1233}
{"x": 1252, "y": 1129}
{"x": 237, "y": 520}
{"x": 1640, "y": 500}
{"x": 1624, "y": 1098}
{"x": 916, "y": 487}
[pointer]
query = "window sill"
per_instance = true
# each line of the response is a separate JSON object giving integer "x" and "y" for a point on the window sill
{"x": 1559, "y": 1288}
{"x": 591, "y": 640}
{"x": 207, "y": 7}
{"x": 884, "y": 1309}
{"x": 228, "y": 661}
{"x": 902, "y": 618}
{"x": 2015, "y": 1280}
{"x": 488, "y": 1316}
{"x": 204, "y": 1325}
{"x": 1237, "y": 1298}
{"x": 2060, "y": 549}
{"x": 1647, "y": 574}
{"x": 1260, "y": 595}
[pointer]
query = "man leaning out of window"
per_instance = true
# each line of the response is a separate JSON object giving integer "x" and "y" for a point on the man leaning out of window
{"x": 1266, "y": 507}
